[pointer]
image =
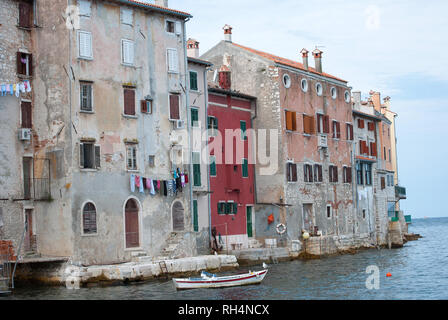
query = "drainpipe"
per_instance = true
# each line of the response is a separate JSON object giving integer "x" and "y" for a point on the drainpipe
{"x": 184, "y": 44}
{"x": 206, "y": 149}
{"x": 255, "y": 155}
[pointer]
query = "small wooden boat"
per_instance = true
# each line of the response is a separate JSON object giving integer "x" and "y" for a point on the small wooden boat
{"x": 208, "y": 280}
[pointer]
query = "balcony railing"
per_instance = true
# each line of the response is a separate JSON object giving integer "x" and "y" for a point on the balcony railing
{"x": 393, "y": 215}
{"x": 400, "y": 192}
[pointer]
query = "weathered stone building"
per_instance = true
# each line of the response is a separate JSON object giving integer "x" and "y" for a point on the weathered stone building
{"x": 198, "y": 101}
{"x": 308, "y": 186}
{"x": 107, "y": 92}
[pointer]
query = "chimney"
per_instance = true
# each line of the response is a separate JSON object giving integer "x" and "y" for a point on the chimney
{"x": 162, "y": 3}
{"x": 224, "y": 78}
{"x": 193, "y": 48}
{"x": 304, "y": 53}
{"x": 356, "y": 97}
{"x": 227, "y": 33}
{"x": 376, "y": 100}
{"x": 317, "y": 60}
{"x": 387, "y": 102}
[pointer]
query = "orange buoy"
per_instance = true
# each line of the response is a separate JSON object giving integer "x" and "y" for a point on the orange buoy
{"x": 389, "y": 274}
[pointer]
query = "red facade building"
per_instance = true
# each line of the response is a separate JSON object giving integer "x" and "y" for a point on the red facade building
{"x": 231, "y": 170}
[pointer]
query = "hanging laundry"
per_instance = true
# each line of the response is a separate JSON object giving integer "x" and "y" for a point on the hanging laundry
{"x": 178, "y": 183}
{"x": 158, "y": 184}
{"x": 3, "y": 90}
{"x": 186, "y": 177}
{"x": 170, "y": 187}
{"x": 141, "y": 186}
{"x": 144, "y": 182}
{"x": 182, "y": 180}
{"x": 17, "y": 90}
{"x": 174, "y": 186}
{"x": 132, "y": 182}
{"x": 165, "y": 188}
{"x": 27, "y": 84}
{"x": 152, "y": 189}
{"x": 148, "y": 184}
{"x": 154, "y": 184}
{"x": 11, "y": 89}
{"x": 137, "y": 181}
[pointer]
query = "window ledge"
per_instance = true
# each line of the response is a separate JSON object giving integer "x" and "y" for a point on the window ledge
{"x": 132, "y": 171}
{"x": 89, "y": 235}
{"x": 129, "y": 116}
{"x": 24, "y": 76}
{"x": 131, "y": 65}
{"x": 24, "y": 28}
{"x": 86, "y": 58}
{"x": 133, "y": 249}
{"x": 86, "y": 111}
{"x": 88, "y": 170}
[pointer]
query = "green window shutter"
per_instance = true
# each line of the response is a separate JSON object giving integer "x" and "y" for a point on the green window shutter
{"x": 245, "y": 168}
{"x": 243, "y": 130}
{"x": 249, "y": 221}
{"x": 219, "y": 208}
{"x": 213, "y": 166}
{"x": 196, "y": 169}
{"x": 194, "y": 117}
{"x": 228, "y": 208}
{"x": 195, "y": 216}
{"x": 215, "y": 124}
{"x": 193, "y": 81}
{"x": 235, "y": 208}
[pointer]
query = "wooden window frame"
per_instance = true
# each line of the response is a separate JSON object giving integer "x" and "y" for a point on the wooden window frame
{"x": 95, "y": 155}
{"x": 131, "y": 157}
{"x": 196, "y": 87}
{"x": 146, "y": 106}
{"x": 333, "y": 174}
{"x": 291, "y": 120}
{"x": 308, "y": 124}
{"x": 83, "y": 84}
{"x": 129, "y": 101}
{"x": 291, "y": 172}
{"x": 24, "y": 68}
{"x": 318, "y": 176}
{"x": 26, "y": 114}
{"x": 92, "y": 226}
{"x": 26, "y": 13}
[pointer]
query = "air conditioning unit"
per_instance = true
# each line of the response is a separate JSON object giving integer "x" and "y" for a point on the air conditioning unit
{"x": 322, "y": 141}
{"x": 25, "y": 134}
{"x": 180, "y": 124}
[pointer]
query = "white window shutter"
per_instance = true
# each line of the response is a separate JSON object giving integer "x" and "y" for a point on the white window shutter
{"x": 128, "y": 51}
{"x": 84, "y": 8}
{"x": 85, "y": 44}
{"x": 178, "y": 27}
{"x": 172, "y": 60}
{"x": 126, "y": 16}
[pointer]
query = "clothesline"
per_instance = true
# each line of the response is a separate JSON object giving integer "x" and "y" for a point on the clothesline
{"x": 164, "y": 187}
{"x": 15, "y": 88}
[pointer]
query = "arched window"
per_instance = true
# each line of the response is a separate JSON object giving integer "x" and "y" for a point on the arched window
{"x": 89, "y": 218}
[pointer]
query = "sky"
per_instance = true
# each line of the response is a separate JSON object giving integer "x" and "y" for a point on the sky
{"x": 398, "y": 48}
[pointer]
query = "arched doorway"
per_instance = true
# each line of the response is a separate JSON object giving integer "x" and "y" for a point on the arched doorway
{"x": 131, "y": 224}
{"x": 178, "y": 216}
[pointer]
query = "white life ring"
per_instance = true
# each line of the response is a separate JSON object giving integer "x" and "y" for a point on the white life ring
{"x": 281, "y": 228}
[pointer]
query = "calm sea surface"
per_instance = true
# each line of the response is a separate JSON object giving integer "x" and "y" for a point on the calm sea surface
{"x": 419, "y": 271}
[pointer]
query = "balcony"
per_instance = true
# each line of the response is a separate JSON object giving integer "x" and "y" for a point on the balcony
{"x": 393, "y": 215}
{"x": 37, "y": 189}
{"x": 400, "y": 192}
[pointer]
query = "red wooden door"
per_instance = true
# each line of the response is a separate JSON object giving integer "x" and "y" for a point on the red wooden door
{"x": 131, "y": 224}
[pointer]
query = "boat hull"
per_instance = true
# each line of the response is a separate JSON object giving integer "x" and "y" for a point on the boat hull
{"x": 221, "y": 282}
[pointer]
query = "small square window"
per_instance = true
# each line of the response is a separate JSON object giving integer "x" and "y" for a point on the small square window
{"x": 84, "y": 8}
{"x": 329, "y": 211}
{"x": 170, "y": 26}
{"x": 89, "y": 155}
